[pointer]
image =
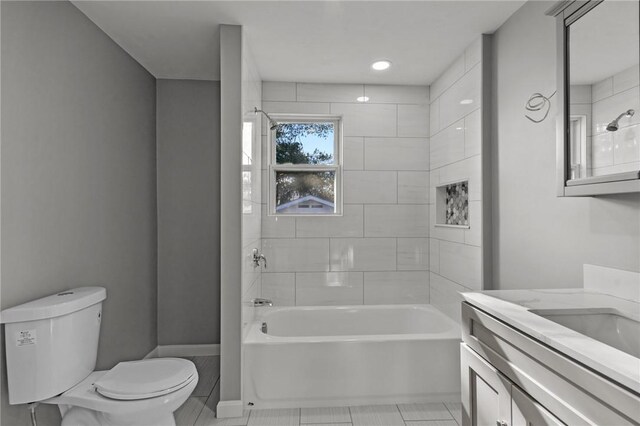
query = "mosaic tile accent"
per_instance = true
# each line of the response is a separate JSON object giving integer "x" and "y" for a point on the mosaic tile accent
{"x": 457, "y": 203}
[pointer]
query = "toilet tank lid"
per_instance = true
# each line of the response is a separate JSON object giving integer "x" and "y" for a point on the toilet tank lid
{"x": 56, "y": 305}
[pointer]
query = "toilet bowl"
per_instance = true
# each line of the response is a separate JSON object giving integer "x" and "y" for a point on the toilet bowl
{"x": 135, "y": 393}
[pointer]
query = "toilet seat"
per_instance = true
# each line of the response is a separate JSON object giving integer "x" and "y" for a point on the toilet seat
{"x": 148, "y": 378}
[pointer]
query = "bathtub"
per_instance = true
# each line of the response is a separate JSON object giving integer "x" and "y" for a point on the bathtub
{"x": 351, "y": 355}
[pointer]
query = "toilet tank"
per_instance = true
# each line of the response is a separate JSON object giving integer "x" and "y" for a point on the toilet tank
{"x": 52, "y": 343}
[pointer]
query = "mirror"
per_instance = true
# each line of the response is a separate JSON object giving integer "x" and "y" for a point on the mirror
{"x": 603, "y": 119}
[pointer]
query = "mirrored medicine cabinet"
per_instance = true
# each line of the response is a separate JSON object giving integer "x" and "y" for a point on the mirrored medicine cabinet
{"x": 598, "y": 125}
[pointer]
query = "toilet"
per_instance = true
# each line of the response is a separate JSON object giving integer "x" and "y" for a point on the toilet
{"x": 52, "y": 346}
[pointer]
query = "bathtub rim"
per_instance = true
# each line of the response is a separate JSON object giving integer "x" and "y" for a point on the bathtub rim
{"x": 256, "y": 337}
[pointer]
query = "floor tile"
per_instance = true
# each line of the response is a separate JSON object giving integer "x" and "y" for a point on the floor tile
{"x": 376, "y": 415}
{"x": 432, "y": 423}
{"x": 208, "y": 372}
{"x": 434, "y": 411}
{"x": 187, "y": 414}
{"x": 327, "y": 424}
{"x": 208, "y": 418}
{"x": 455, "y": 408}
{"x": 276, "y": 417}
{"x": 325, "y": 415}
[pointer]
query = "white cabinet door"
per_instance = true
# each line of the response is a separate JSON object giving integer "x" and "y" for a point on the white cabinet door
{"x": 527, "y": 412}
{"x": 486, "y": 394}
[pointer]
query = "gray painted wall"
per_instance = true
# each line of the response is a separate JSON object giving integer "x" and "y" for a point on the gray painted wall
{"x": 541, "y": 241}
{"x": 78, "y": 176}
{"x": 188, "y": 147}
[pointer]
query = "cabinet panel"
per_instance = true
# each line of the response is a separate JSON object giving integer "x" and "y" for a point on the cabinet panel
{"x": 526, "y": 412}
{"x": 485, "y": 392}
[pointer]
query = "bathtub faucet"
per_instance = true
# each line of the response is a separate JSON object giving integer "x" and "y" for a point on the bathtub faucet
{"x": 258, "y": 257}
{"x": 259, "y": 301}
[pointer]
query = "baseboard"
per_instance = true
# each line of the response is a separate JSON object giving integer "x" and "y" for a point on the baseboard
{"x": 186, "y": 350}
{"x": 226, "y": 409}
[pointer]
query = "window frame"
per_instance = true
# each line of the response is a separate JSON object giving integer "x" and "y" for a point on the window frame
{"x": 337, "y": 167}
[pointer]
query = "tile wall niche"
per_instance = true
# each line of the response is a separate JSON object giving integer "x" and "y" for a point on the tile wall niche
{"x": 611, "y": 152}
{"x": 378, "y": 251}
{"x": 457, "y": 155}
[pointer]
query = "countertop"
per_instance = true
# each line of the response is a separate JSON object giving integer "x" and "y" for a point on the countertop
{"x": 513, "y": 306}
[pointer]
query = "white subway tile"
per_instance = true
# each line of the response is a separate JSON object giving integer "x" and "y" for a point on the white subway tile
{"x": 367, "y": 119}
{"x": 413, "y": 254}
{"x": 451, "y": 75}
{"x": 470, "y": 169}
{"x": 473, "y": 54}
{"x": 390, "y": 94}
{"x": 461, "y": 263}
{"x": 370, "y": 187}
{"x": 296, "y": 108}
{"x": 353, "y": 153}
{"x": 314, "y": 92}
{"x": 473, "y": 235}
{"x": 472, "y": 134}
{"x": 413, "y": 187}
{"x": 350, "y": 224}
{"x": 626, "y": 145}
{"x": 602, "y": 89}
{"x": 396, "y": 154}
{"x": 329, "y": 288}
{"x": 434, "y": 117}
{"x": 293, "y": 255}
{"x": 602, "y": 150}
{"x": 443, "y": 233}
{"x": 434, "y": 255}
{"x": 626, "y": 79}
{"x": 363, "y": 254}
{"x": 277, "y": 226}
{"x": 279, "y": 288}
{"x": 381, "y": 288}
{"x": 462, "y": 98}
{"x": 445, "y": 296}
{"x": 278, "y": 91}
{"x": 400, "y": 220}
{"x": 447, "y": 146}
{"x": 580, "y": 94}
{"x": 413, "y": 120}
{"x": 434, "y": 179}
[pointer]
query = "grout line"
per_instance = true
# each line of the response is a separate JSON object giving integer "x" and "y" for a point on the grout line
{"x": 452, "y": 416}
{"x": 401, "y": 416}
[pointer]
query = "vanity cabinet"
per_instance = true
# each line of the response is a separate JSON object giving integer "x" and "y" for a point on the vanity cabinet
{"x": 511, "y": 379}
{"x": 494, "y": 400}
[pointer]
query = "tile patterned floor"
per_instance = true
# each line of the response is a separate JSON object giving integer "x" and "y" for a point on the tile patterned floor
{"x": 199, "y": 410}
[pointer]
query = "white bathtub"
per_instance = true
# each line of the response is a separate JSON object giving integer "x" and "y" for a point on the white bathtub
{"x": 351, "y": 355}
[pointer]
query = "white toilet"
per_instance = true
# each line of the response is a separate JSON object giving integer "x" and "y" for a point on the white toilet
{"x": 52, "y": 345}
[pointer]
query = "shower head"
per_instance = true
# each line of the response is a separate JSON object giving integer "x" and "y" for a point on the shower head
{"x": 273, "y": 124}
{"x": 613, "y": 126}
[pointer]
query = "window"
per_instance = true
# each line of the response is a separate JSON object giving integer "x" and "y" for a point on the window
{"x": 305, "y": 167}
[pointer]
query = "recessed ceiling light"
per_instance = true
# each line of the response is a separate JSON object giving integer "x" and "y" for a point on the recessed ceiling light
{"x": 381, "y": 65}
{"x": 362, "y": 99}
{"x": 466, "y": 101}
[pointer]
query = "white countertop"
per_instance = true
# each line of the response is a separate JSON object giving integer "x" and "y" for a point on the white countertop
{"x": 512, "y": 307}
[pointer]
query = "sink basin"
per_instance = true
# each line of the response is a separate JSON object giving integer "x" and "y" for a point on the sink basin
{"x": 605, "y": 325}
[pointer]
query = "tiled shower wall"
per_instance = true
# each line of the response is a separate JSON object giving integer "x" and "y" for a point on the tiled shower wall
{"x": 251, "y": 185}
{"x": 602, "y": 102}
{"x": 456, "y": 155}
{"x": 377, "y": 252}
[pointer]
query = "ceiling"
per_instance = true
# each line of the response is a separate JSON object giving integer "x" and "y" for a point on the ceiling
{"x": 304, "y": 41}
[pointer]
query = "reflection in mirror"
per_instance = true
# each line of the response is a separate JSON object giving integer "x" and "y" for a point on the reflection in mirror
{"x": 604, "y": 91}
